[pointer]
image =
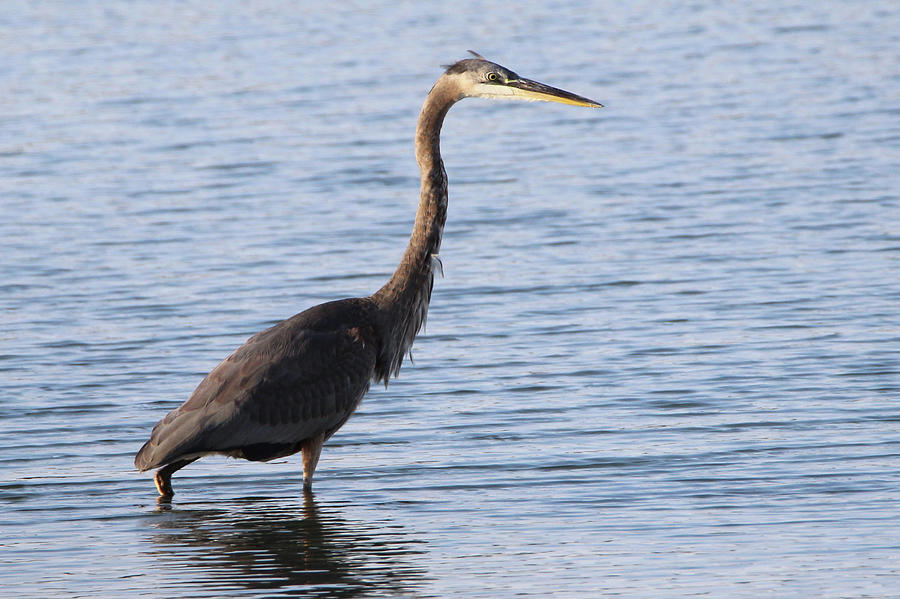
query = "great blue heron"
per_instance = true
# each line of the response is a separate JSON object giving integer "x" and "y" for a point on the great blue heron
{"x": 290, "y": 387}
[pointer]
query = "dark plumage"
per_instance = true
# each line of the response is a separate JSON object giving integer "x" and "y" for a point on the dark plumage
{"x": 302, "y": 377}
{"x": 290, "y": 387}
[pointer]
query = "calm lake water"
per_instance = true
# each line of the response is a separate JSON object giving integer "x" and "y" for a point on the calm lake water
{"x": 664, "y": 360}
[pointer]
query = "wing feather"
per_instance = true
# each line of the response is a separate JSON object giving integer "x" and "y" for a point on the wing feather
{"x": 286, "y": 384}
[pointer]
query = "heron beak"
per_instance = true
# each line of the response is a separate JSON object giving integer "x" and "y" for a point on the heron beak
{"x": 527, "y": 89}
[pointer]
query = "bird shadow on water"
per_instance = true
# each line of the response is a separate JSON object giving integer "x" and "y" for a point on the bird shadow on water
{"x": 283, "y": 549}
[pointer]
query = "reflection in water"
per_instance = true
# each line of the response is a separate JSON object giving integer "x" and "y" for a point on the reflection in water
{"x": 287, "y": 550}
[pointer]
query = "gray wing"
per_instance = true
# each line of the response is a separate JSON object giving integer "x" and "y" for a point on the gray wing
{"x": 284, "y": 385}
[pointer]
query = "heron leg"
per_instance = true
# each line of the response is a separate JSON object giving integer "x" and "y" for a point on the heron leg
{"x": 311, "y": 449}
{"x": 163, "y": 477}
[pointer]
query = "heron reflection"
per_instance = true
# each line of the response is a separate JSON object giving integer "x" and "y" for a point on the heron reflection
{"x": 262, "y": 545}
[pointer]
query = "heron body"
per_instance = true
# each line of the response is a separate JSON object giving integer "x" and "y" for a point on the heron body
{"x": 290, "y": 387}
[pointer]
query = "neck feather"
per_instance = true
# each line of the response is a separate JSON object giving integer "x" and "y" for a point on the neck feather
{"x": 403, "y": 300}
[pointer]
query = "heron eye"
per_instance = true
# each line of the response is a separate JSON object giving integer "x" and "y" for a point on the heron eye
{"x": 493, "y": 77}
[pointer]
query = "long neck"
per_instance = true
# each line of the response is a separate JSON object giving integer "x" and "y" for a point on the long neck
{"x": 403, "y": 300}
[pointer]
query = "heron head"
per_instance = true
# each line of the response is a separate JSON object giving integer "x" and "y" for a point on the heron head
{"x": 480, "y": 78}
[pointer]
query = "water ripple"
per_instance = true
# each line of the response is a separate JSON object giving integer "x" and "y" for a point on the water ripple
{"x": 662, "y": 358}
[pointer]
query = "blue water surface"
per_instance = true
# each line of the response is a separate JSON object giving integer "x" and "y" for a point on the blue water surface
{"x": 663, "y": 361}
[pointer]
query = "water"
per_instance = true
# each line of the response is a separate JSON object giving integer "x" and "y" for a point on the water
{"x": 663, "y": 360}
